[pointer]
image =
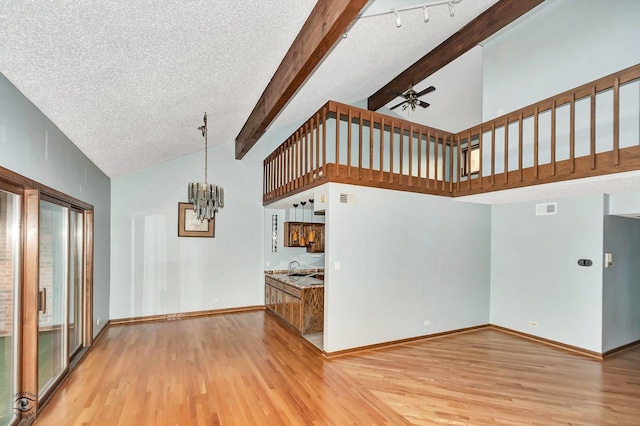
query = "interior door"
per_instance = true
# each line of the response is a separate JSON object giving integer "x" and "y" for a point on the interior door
{"x": 52, "y": 317}
{"x": 9, "y": 279}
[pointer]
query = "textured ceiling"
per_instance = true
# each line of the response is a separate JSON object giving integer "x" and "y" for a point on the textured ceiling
{"x": 128, "y": 81}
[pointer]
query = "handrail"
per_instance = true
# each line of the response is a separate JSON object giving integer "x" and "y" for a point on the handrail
{"x": 346, "y": 144}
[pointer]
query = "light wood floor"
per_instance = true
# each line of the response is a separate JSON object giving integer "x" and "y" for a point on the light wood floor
{"x": 248, "y": 369}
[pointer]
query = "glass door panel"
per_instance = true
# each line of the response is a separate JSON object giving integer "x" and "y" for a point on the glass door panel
{"x": 76, "y": 245}
{"x": 9, "y": 278}
{"x": 52, "y": 318}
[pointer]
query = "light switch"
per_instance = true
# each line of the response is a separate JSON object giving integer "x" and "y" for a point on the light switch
{"x": 608, "y": 260}
{"x": 336, "y": 265}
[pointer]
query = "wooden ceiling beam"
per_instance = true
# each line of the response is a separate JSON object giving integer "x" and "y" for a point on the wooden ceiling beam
{"x": 325, "y": 25}
{"x": 475, "y": 32}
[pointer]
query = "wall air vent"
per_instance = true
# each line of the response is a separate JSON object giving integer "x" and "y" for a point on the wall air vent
{"x": 348, "y": 199}
{"x": 546, "y": 209}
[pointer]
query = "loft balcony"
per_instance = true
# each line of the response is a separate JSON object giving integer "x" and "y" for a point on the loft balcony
{"x": 591, "y": 130}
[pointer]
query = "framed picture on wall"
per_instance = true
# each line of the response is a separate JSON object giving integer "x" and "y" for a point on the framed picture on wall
{"x": 190, "y": 226}
{"x": 470, "y": 164}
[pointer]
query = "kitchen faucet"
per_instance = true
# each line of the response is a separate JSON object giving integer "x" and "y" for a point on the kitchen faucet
{"x": 291, "y": 265}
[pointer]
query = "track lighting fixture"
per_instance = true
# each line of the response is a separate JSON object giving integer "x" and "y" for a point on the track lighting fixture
{"x": 398, "y": 21}
{"x": 424, "y": 6}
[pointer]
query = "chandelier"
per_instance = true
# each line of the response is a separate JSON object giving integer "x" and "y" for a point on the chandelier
{"x": 206, "y": 198}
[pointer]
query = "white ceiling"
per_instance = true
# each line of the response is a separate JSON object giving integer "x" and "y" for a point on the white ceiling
{"x": 129, "y": 81}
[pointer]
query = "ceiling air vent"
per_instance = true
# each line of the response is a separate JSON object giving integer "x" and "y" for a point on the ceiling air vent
{"x": 546, "y": 209}
{"x": 348, "y": 199}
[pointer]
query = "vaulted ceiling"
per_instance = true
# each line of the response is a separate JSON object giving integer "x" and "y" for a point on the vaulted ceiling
{"x": 128, "y": 82}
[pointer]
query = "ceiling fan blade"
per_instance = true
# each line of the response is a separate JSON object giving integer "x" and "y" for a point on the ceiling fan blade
{"x": 396, "y": 106}
{"x": 425, "y": 91}
{"x": 423, "y": 104}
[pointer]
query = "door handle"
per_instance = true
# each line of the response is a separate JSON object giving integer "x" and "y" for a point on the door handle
{"x": 42, "y": 300}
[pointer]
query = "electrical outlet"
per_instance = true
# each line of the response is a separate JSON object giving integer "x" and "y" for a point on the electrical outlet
{"x": 336, "y": 265}
{"x": 533, "y": 323}
{"x": 98, "y": 322}
{"x": 427, "y": 322}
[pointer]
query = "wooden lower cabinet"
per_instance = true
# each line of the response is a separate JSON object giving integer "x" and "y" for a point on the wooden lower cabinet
{"x": 303, "y": 308}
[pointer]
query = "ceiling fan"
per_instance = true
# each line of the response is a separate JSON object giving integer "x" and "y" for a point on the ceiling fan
{"x": 411, "y": 98}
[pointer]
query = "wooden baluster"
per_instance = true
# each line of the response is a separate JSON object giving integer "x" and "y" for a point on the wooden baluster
{"x": 459, "y": 163}
{"x": 553, "y": 138}
{"x": 299, "y": 158}
{"x": 506, "y": 152}
{"x": 428, "y": 162}
{"x": 435, "y": 163}
{"x": 337, "y": 141}
{"x": 392, "y": 130}
{"x": 592, "y": 151}
{"x": 493, "y": 153}
{"x": 264, "y": 180}
{"x": 535, "y": 143}
{"x": 308, "y": 146}
{"x": 279, "y": 171}
{"x": 572, "y": 133}
{"x": 360, "y": 146}
{"x": 616, "y": 121}
{"x": 450, "y": 145}
{"x": 410, "y": 155}
{"x": 371, "y": 127}
{"x": 296, "y": 160}
{"x": 324, "y": 142}
{"x": 401, "y": 153}
{"x": 286, "y": 165}
{"x": 349, "y": 118}
{"x": 520, "y": 143}
{"x": 381, "y": 149}
{"x": 419, "y": 155}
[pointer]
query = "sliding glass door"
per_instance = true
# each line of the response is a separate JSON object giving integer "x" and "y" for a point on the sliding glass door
{"x": 9, "y": 279}
{"x": 52, "y": 317}
{"x": 76, "y": 280}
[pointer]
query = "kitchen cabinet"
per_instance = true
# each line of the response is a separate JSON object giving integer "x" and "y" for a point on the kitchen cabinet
{"x": 318, "y": 230}
{"x": 302, "y": 308}
{"x": 294, "y": 230}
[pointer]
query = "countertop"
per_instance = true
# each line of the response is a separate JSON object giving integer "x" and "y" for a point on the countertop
{"x": 300, "y": 282}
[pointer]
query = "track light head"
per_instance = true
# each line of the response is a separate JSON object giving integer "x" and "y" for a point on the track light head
{"x": 452, "y": 9}
{"x": 426, "y": 14}
{"x": 398, "y": 21}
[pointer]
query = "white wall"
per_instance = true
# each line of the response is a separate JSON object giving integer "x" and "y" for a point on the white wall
{"x": 621, "y": 308}
{"x": 566, "y": 44}
{"x": 32, "y": 146}
{"x": 155, "y": 272}
{"x": 404, "y": 258}
{"x": 535, "y": 275}
{"x": 625, "y": 204}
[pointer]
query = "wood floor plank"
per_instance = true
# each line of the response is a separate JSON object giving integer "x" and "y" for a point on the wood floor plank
{"x": 249, "y": 369}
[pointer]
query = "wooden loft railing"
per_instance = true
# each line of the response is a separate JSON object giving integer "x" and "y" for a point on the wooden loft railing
{"x": 340, "y": 144}
{"x": 573, "y": 135}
